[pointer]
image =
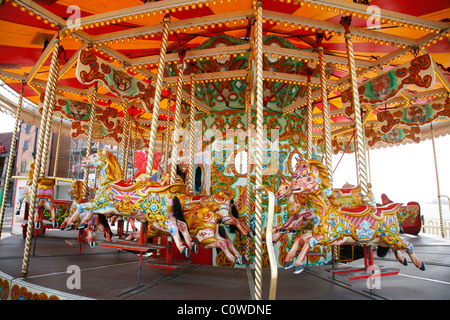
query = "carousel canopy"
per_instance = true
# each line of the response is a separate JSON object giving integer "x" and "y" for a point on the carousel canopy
{"x": 401, "y": 51}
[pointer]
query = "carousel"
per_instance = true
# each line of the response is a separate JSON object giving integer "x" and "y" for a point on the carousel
{"x": 210, "y": 129}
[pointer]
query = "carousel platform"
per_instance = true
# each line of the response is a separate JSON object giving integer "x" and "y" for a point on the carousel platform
{"x": 112, "y": 274}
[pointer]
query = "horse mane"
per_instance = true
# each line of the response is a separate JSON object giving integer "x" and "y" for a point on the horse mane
{"x": 77, "y": 187}
{"x": 323, "y": 175}
{"x": 113, "y": 170}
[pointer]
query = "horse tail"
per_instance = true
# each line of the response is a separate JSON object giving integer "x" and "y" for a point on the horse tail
{"x": 178, "y": 209}
{"x": 235, "y": 214}
{"x": 382, "y": 251}
{"x": 223, "y": 232}
{"x": 104, "y": 223}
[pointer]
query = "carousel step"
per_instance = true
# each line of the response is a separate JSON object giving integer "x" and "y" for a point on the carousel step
{"x": 150, "y": 245}
{"x": 130, "y": 245}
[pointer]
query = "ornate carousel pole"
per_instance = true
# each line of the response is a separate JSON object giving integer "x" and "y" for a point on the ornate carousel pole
{"x": 190, "y": 177}
{"x": 325, "y": 109}
{"x": 257, "y": 46}
{"x": 176, "y": 132}
{"x": 167, "y": 139}
{"x": 441, "y": 218}
{"x": 125, "y": 141}
{"x": 326, "y": 122}
{"x": 89, "y": 141}
{"x": 309, "y": 109}
{"x": 58, "y": 147}
{"x": 157, "y": 99}
{"x": 48, "y": 128}
{"x": 359, "y": 125}
{"x": 50, "y": 89}
{"x": 250, "y": 101}
{"x": 11, "y": 158}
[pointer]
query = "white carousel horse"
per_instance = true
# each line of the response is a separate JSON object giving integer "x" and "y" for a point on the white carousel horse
{"x": 143, "y": 200}
{"x": 363, "y": 224}
{"x": 97, "y": 222}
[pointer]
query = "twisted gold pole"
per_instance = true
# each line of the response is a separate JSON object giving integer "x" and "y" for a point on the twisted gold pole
{"x": 125, "y": 141}
{"x": 176, "y": 130}
{"x": 89, "y": 141}
{"x": 249, "y": 171}
{"x": 309, "y": 109}
{"x": 51, "y": 84}
{"x": 359, "y": 125}
{"x": 190, "y": 180}
{"x": 326, "y": 116}
{"x": 250, "y": 100}
{"x": 157, "y": 99}
{"x": 12, "y": 150}
{"x": 58, "y": 147}
{"x": 441, "y": 219}
{"x": 49, "y": 120}
{"x": 259, "y": 148}
{"x": 167, "y": 139}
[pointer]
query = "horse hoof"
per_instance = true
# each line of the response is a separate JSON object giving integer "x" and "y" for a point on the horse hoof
{"x": 37, "y": 225}
{"x": 69, "y": 227}
{"x": 250, "y": 234}
{"x": 82, "y": 226}
{"x": 298, "y": 269}
{"x": 91, "y": 244}
{"x": 405, "y": 262}
{"x": 292, "y": 231}
{"x": 55, "y": 224}
{"x": 245, "y": 258}
{"x": 283, "y": 230}
{"x": 238, "y": 260}
{"x": 422, "y": 266}
{"x": 185, "y": 252}
{"x": 288, "y": 265}
{"x": 195, "y": 248}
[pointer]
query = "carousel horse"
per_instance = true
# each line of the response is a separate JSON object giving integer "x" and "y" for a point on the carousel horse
{"x": 204, "y": 224}
{"x": 362, "y": 224}
{"x": 44, "y": 198}
{"x": 225, "y": 206}
{"x": 143, "y": 200}
{"x": 297, "y": 213}
{"x": 97, "y": 222}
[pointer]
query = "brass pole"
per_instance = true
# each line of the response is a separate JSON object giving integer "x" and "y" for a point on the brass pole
{"x": 11, "y": 159}
{"x": 58, "y": 147}
{"x": 326, "y": 115}
{"x": 157, "y": 99}
{"x": 258, "y": 43}
{"x": 309, "y": 109}
{"x": 176, "y": 130}
{"x": 89, "y": 141}
{"x": 167, "y": 139}
{"x": 190, "y": 180}
{"x": 441, "y": 219}
{"x": 51, "y": 85}
{"x": 359, "y": 125}
{"x": 125, "y": 141}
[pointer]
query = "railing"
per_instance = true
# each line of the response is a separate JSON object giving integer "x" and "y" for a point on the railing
{"x": 433, "y": 226}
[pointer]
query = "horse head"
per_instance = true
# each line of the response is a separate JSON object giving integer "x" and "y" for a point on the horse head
{"x": 301, "y": 168}
{"x": 91, "y": 161}
{"x": 285, "y": 190}
{"x": 76, "y": 190}
{"x": 308, "y": 184}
